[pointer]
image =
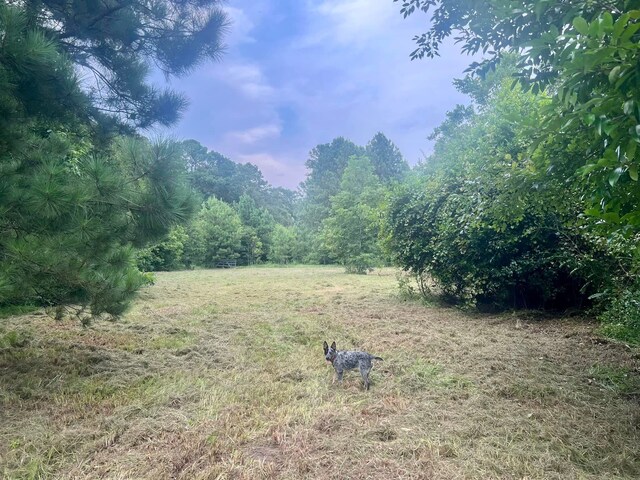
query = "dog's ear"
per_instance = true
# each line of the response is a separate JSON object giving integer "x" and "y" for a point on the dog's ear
{"x": 325, "y": 347}
{"x": 333, "y": 345}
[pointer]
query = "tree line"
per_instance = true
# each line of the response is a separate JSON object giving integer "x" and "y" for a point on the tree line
{"x": 335, "y": 217}
{"x": 529, "y": 199}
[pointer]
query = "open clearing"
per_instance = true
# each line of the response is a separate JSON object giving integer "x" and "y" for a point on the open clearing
{"x": 220, "y": 374}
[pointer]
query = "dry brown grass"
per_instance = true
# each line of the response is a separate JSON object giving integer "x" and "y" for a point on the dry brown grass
{"x": 219, "y": 374}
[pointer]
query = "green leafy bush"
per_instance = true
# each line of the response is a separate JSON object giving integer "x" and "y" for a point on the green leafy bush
{"x": 166, "y": 255}
{"x": 490, "y": 223}
{"x": 621, "y": 319}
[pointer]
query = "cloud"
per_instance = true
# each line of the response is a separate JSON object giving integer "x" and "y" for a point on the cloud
{"x": 359, "y": 79}
{"x": 300, "y": 73}
{"x": 247, "y": 78}
{"x": 241, "y": 26}
{"x": 256, "y": 134}
{"x": 280, "y": 171}
{"x": 354, "y": 21}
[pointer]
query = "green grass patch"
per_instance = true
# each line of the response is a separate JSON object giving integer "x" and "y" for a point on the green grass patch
{"x": 621, "y": 319}
{"x": 14, "y": 338}
{"x": 423, "y": 374}
{"x": 174, "y": 340}
{"x": 616, "y": 379}
{"x": 13, "y": 310}
{"x": 620, "y": 331}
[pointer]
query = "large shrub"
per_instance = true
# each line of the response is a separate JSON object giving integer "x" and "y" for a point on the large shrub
{"x": 489, "y": 222}
{"x": 445, "y": 229}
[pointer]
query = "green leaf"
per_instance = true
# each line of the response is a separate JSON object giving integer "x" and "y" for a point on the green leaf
{"x": 631, "y": 149}
{"x": 611, "y": 155}
{"x": 609, "y": 127}
{"x": 627, "y": 107}
{"x": 611, "y": 217}
{"x": 592, "y": 212}
{"x": 633, "y": 172}
{"x": 613, "y": 74}
{"x": 588, "y": 119}
{"x": 619, "y": 26}
{"x": 614, "y": 177}
{"x": 629, "y": 32}
{"x": 568, "y": 123}
{"x": 587, "y": 169}
{"x": 581, "y": 25}
{"x": 596, "y": 57}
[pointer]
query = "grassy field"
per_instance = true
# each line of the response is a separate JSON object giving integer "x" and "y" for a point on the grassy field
{"x": 220, "y": 374}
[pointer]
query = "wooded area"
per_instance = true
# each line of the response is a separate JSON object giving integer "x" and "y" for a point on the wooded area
{"x": 529, "y": 199}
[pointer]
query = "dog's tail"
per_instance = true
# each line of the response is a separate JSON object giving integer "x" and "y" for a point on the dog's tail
{"x": 379, "y": 358}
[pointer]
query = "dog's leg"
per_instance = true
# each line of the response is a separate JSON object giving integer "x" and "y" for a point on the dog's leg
{"x": 364, "y": 371}
{"x": 339, "y": 375}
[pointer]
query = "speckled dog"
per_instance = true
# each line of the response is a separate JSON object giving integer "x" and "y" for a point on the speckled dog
{"x": 349, "y": 360}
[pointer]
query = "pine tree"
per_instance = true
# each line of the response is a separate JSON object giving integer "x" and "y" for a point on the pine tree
{"x": 71, "y": 214}
{"x": 326, "y": 165}
{"x": 116, "y": 42}
{"x": 70, "y": 223}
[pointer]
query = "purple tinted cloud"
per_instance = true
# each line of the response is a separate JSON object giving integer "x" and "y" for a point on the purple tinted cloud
{"x": 300, "y": 73}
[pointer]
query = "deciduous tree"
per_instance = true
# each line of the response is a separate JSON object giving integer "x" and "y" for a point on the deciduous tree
{"x": 351, "y": 231}
{"x": 585, "y": 53}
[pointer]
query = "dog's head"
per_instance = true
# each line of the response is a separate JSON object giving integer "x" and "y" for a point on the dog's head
{"x": 330, "y": 352}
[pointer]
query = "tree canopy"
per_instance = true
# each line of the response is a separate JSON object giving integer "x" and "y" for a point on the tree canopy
{"x": 76, "y": 205}
{"x": 116, "y": 43}
{"x": 585, "y": 54}
{"x": 350, "y": 232}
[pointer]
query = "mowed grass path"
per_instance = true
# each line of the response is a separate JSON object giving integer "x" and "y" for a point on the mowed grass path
{"x": 220, "y": 374}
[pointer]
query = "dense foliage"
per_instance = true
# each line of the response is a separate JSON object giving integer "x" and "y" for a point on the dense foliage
{"x": 327, "y": 164}
{"x": 530, "y": 197}
{"x": 581, "y": 58}
{"x": 76, "y": 204}
{"x": 585, "y": 53}
{"x": 336, "y": 220}
{"x": 239, "y": 219}
{"x": 351, "y": 230}
{"x": 482, "y": 220}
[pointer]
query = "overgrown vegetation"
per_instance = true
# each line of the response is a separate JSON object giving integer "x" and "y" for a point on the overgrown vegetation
{"x": 529, "y": 200}
{"x": 336, "y": 218}
{"x": 531, "y": 195}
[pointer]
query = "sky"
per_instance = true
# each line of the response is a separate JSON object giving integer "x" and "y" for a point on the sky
{"x": 298, "y": 73}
